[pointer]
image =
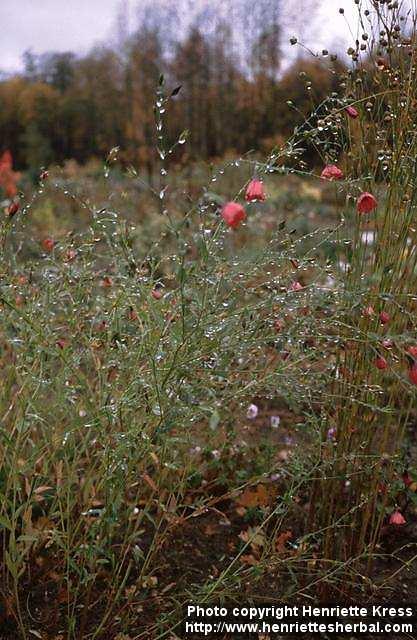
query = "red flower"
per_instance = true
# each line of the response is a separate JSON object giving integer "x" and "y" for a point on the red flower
{"x": 331, "y": 172}
{"x": 366, "y": 203}
{"x": 384, "y": 317}
{"x": 255, "y": 191}
{"x": 397, "y": 518}
{"x": 412, "y": 374}
{"x": 44, "y": 175}
{"x": 352, "y": 112}
{"x": 61, "y": 343}
{"x": 381, "y": 363}
{"x": 107, "y": 282}
{"x": 156, "y": 293}
{"x": 48, "y": 244}
{"x": 233, "y": 213}
{"x": 13, "y": 209}
{"x": 412, "y": 351}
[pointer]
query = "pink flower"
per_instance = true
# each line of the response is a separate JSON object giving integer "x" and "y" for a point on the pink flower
{"x": 331, "y": 172}
{"x": 255, "y": 191}
{"x": 387, "y": 344}
{"x": 156, "y": 294}
{"x": 412, "y": 351}
{"x": 70, "y": 255}
{"x": 384, "y": 317}
{"x": 368, "y": 312}
{"x": 48, "y": 244}
{"x": 381, "y": 363}
{"x": 352, "y": 112}
{"x": 366, "y": 203}
{"x": 233, "y": 214}
{"x": 296, "y": 286}
{"x": 397, "y": 518}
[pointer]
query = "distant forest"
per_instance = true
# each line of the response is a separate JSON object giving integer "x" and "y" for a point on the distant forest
{"x": 233, "y": 98}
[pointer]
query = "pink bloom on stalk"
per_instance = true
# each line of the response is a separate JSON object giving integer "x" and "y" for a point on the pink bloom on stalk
{"x": 296, "y": 286}
{"x": 255, "y": 191}
{"x": 381, "y": 363}
{"x": 366, "y": 203}
{"x": 331, "y": 172}
{"x": 156, "y": 294}
{"x": 397, "y": 518}
{"x": 369, "y": 312}
{"x": 48, "y": 244}
{"x": 352, "y": 112}
{"x": 233, "y": 214}
{"x": 387, "y": 344}
{"x": 384, "y": 317}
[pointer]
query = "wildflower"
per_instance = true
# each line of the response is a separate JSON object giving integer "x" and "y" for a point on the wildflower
{"x": 412, "y": 351}
{"x": 44, "y": 175}
{"x": 48, "y": 244}
{"x": 366, "y": 203}
{"x": 352, "y": 112}
{"x": 384, "y": 317}
{"x": 387, "y": 344}
{"x": 296, "y": 286}
{"x": 13, "y": 209}
{"x": 381, "y": 363}
{"x": 412, "y": 374}
{"x": 368, "y": 312}
{"x": 397, "y": 518}
{"x": 331, "y": 172}
{"x": 156, "y": 294}
{"x": 216, "y": 454}
{"x": 255, "y": 191}
{"x": 331, "y": 434}
{"x": 107, "y": 282}
{"x": 252, "y": 412}
{"x": 275, "y": 421}
{"x": 61, "y": 343}
{"x": 70, "y": 255}
{"x": 233, "y": 214}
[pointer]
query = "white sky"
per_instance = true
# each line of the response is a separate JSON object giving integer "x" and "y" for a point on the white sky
{"x": 61, "y": 25}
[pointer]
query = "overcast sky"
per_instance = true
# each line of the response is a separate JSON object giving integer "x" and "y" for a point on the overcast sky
{"x": 61, "y": 25}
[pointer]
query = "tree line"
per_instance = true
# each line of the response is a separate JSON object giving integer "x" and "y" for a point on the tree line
{"x": 233, "y": 95}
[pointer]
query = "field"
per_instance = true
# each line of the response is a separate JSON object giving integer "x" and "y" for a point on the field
{"x": 209, "y": 374}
